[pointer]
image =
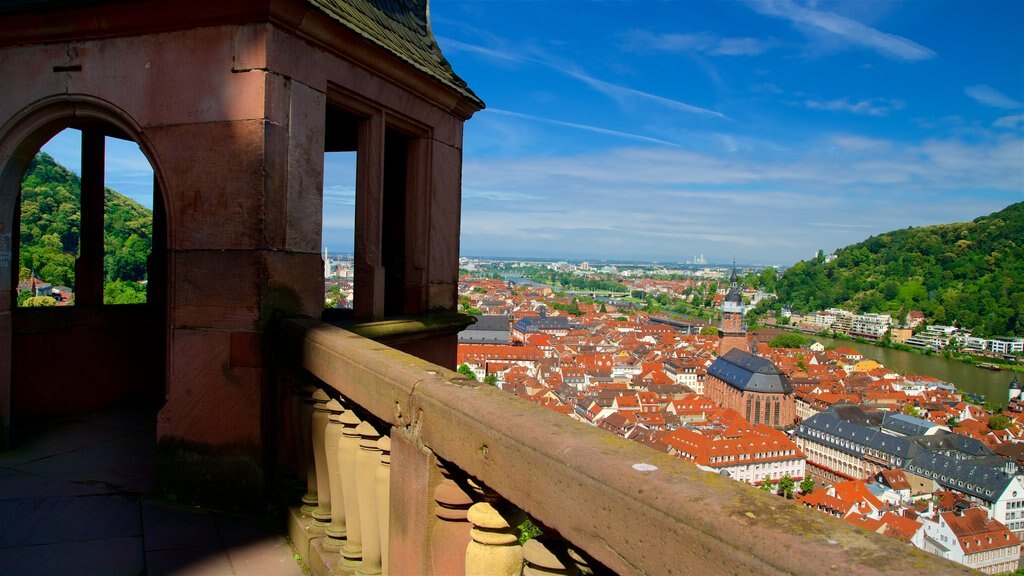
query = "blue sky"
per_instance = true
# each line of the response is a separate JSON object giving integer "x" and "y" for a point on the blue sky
{"x": 758, "y": 131}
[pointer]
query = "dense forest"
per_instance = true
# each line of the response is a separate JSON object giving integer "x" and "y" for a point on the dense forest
{"x": 50, "y": 228}
{"x": 968, "y": 273}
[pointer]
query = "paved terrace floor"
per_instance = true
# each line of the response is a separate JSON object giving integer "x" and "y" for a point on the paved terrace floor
{"x": 76, "y": 498}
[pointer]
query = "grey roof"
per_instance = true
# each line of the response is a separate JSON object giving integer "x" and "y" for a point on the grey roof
{"x": 950, "y": 444}
{"x": 954, "y": 461}
{"x": 978, "y": 478}
{"x": 905, "y": 425}
{"x": 744, "y": 371}
{"x": 401, "y": 27}
{"x": 490, "y": 322}
{"x": 851, "y": 438}
{"x": 537, "y": 323}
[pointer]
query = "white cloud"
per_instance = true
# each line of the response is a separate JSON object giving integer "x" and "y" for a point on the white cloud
{"x": 1013, "y": 121}
{"x": 584, "y": 127}
{"x": 867, "y": 107}
{"x": 617, "y": 92}
{"x": 989, "y": 96}
{"x": 698, "y": 42}
{"x": 766, "y": 205}
{"x": 844, "y": 28}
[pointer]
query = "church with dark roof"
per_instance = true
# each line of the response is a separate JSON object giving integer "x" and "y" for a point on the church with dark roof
{"x": 746, "y": 383}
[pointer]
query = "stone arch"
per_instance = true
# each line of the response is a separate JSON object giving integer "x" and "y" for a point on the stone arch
{"x": 21, "y": 137}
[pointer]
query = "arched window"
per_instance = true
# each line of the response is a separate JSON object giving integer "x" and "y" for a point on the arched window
{"x": 85, "y": 222}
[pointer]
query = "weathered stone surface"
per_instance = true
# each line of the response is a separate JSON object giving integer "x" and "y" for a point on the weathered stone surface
{"x": 208, "y": 401}
{"x": 413, "y": 476}
{"x": 217, "y": 289}
{"x": 213, "y": 173}
{"x": 305, "y": 170}
{"x": 171, "y": 78}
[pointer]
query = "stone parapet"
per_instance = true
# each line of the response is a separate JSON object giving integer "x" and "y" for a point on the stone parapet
{"x": 634, "y": 510}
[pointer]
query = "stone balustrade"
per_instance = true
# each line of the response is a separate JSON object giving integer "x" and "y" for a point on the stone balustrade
{"x": 421, "y": 471}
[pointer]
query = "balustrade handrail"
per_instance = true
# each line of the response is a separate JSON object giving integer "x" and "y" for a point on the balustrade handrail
{"x": 634, "y": 509}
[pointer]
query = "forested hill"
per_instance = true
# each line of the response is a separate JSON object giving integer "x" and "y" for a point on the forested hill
{"x": 970, "y": 273}
{"x": 50, "y": 226}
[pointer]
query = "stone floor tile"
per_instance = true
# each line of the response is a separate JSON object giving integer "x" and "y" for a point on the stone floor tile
{"x": 170, "y": 527}
{"x": 20, "y": 484}
{"x": 59, "y": 438}
{"x": 268, "y": 556}
{"x": 205, "y": 561}
{"x": 110, "y": 557}
{"x": 126, "y": 462}
{"x": 33, "y": 521}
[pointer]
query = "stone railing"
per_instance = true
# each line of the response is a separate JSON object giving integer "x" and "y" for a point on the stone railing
{"x": 412, "y": 469}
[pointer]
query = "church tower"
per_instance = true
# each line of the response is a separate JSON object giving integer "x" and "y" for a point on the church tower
{"x": 732, "y": 332}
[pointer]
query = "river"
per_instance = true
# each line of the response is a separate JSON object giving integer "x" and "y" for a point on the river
{"x": 994, "y": 384}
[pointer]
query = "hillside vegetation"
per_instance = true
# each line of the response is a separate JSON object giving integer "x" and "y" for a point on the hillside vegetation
{"x": 51, "y": 225}
{"x": 968, "y": 273}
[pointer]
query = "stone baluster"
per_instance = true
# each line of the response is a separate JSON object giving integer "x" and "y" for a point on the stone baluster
{"x": 367, "y": 461}
{"x": 544, "y": 557}
{"x": 494, "y": 549}
{"x": 322, "y": 512}
{"x": 383, "y": 485}
{"x": 383, "y": 482}
{"x": 335, "y": 532}
{"x": 449, "y": 536}
{"x": 303, "y": 419}
{"x": 348, "y": 446}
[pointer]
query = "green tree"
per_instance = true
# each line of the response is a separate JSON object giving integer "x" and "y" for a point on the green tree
{"x": 491, "y": 380}
{"x": 39, "y": 301}
{"x": 709, "y": 331}
{"x": 807, "y": 485}
{"x": 466, "y": 371}
{"x": 766, "y": 485}
{"x": 999, "y": 422}
{"x": 788, "y": 340}
{"x": 787, "y": 485}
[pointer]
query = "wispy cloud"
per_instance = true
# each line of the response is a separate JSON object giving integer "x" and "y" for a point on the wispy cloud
{"x": 617, "y": 92}
{"x": 867, "y": 107}
{"x": 697, "y": 42}
{"x": 989, "y": 96}
{"x": 850, "y": 31}
{"x": 1013, "y": 121}
{"x": 585, "y": 127}
{"x": 650, "y": 199}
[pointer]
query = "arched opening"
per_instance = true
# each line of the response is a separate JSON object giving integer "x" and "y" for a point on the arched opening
{"x": 96, "y": 261}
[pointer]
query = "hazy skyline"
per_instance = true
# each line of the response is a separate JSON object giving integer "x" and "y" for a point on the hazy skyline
{"x": 759, "y": 131}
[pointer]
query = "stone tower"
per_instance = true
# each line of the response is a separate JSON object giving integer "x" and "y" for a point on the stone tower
{"x": 732, "y": 332}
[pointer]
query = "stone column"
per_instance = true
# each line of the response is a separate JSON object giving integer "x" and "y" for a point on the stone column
{"x": 383, "y": 485}
{"x": 449, "y": 536}
{"x": 335, "y": 532}
{"x": 543, "y": 558}
{"x": 494, "y": 549}
{"x": 348, "y": 446}
{"x": 367, "y": 461}
{"x": 322, "y": 512}
{"x": 303, "y": 418}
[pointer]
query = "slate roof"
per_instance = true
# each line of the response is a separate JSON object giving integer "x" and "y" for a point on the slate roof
{"x": 968, "y": 476}
{"x": 743, "y": 370}
{"x": 852, "y": 438}
{"x": 401, "y": 27}
{"x": 906, "y": 425}
{"x": 539, "y": 323}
